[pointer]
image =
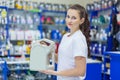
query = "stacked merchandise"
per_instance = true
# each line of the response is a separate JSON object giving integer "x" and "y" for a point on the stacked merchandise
{"x": 104, "y": 19}
{"x": 116, "y": 29}
{"x": 22, "y": 23}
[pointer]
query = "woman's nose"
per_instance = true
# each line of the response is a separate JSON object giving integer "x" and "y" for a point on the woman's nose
{"x": 69, "y": 20}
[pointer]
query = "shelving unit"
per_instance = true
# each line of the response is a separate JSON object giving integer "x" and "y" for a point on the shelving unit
{"x": 56, "y": 27}
{"x": 114, "y": 64}
{"x": 103, "y": 17}
{"x": 22, "y": 23}
{"x": 110, "y": 63}
{"x": 15, "y": 24}
{"x": 110, "y": 46}
{"x": 3, "y": 40}
{"x": 101, "y": 21}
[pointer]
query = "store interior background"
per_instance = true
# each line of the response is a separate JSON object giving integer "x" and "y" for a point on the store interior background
{"x": 20, "y": 24}
{"x": 83, "y": 3}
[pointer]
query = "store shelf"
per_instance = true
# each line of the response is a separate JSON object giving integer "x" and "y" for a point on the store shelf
{"x": 106, "y": 73}
{"x": 14, "y": 69}
{"x": 89, "y": 60}
{"x": 20, "y": 54}
{"x": 97, "y": 55}
{"x": 51, "y": 11}
{"x": 100, "y": 41}
{"x": 4, "y": 7}
{"x": 26, "y": 24}
{"x": 112, "y": 52}
{"x": 32, "y": 11}
{"x": 97, "y": 11}
{"x": 54, "y": 25}
{"x": 17, "y": 62}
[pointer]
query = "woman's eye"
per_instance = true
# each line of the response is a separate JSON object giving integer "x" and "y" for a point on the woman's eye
{"x": 73, "y": 17}
{"x": 68, "y": 16}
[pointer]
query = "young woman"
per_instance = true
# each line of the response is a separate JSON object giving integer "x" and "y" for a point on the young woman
{"x": 74, "y": 46}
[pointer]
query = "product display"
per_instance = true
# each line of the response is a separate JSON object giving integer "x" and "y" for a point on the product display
{"x": 104, "y": 18}
{"x": 20, "y": 24}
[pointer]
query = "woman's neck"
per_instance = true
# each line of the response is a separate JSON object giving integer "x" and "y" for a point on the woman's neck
{"x": 72, "y": 32}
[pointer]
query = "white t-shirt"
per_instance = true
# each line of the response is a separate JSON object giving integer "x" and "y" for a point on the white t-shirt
{"x": 69, "y": 48}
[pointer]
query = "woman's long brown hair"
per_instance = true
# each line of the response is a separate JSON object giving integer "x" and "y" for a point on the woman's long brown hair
{"x": 85, "y": 26}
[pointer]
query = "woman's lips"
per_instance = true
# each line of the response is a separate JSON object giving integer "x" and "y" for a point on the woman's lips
{"x": 69, "y": 24}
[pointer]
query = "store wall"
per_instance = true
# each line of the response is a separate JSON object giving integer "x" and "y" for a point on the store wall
{"x": 82, "y": 2}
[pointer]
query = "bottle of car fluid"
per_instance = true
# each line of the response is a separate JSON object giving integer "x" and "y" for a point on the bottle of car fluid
{"x": 42, "y": 52}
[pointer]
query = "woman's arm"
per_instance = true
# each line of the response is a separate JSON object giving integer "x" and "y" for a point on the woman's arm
{"x": 79, "y": 69}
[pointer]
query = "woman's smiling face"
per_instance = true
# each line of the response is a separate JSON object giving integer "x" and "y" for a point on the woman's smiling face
{"x": 73, "y": 19}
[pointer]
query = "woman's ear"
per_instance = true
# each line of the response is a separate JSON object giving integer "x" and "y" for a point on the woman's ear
{"x": 82, "y": 20}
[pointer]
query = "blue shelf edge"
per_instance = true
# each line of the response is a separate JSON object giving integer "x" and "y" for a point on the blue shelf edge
{"x": 64, "y": 12}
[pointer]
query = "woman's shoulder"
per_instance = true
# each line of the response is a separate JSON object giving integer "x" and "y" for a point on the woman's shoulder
{"x": 79, "y": 36}
{"x": 66, "y": 34}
